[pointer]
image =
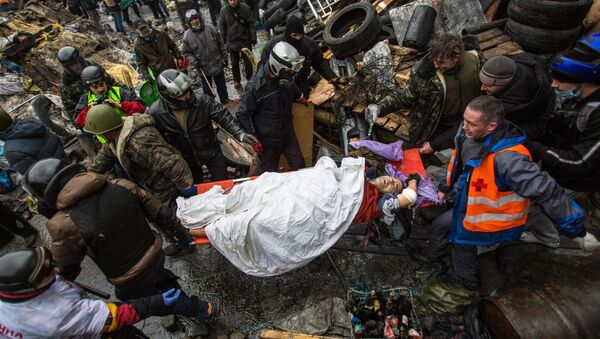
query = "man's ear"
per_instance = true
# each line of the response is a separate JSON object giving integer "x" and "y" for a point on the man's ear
{"x": 492, "y": 126}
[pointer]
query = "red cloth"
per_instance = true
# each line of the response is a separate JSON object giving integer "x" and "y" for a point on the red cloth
{"x": 128, "y": 107}
{"x": 368, "y": 207}
{"x": 126, "y": 316}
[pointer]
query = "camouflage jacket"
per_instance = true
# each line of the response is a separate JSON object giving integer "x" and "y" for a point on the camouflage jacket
{"x": 147, "y": 158}
{"x": 424, "y": 94}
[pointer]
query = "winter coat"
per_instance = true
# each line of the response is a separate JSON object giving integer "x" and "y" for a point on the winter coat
{"x": 72, "y": 87}
{"x": 205, "y": 49}
{"x": 147, "y": 159}
{"x": 568, "y": 143}
{"x": 513, "y": 172}
{"x": 105, "y": 219}
{"x": 424, "y": 93}
{"x": 313, "y": 57}
{"x": 27, "y": 141}
{"x": 198, "y": 143}
{"x": 237, "y": 27}
{"x": 265, "y": 109}
{"x": 158, "y": 54}
{"x": 528, "y": 95}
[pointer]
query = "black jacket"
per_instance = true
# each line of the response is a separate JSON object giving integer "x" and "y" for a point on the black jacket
{"x": 198, "y": 143}
{"x": 313, "y": 57}
{"x": 529, "y": 93}
{"x": 266, "y": 109}
{"x": 27, "y": 141}
{"x": 237, "y": 27}
{"x": 568, "y": 144}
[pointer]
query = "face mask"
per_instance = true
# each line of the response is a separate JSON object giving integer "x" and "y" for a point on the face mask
{"x": 150, "y": 36}
{"x": 563, "y": 96}
{"x": 198, "y": 27}
{"x": 285, "y": 78}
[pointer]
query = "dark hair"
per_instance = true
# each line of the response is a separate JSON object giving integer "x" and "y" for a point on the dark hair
{"x": 491, "y": 109}
{"x": 446, "y": 46}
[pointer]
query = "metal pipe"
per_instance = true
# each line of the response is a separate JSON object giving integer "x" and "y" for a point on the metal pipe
{"x": 337, "y": 271}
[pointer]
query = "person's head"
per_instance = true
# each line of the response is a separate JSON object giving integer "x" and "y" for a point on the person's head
{"x": 142, "y": 28}
{"x": 496, "y": 74}
{"x": 26, "y": 271}
{"x": 388, "y": 184}
{"x": 194, "y": 19}
{"x": 285, "y": 61}
{"x": 445, "y": 51}
{"x": 103, "y": 120}
{"x": 69, "y": 57}
{"x": 294, "y": 31}
{"x": 175, "y": 88}
{"x": 46, "y": 178}
{"x": 95, "y": 78}
{"x": 577, "y": 68}
{"x": 482, "y": 116}
{"x": 233, "y": 3}
{"x": 5, "y": 120}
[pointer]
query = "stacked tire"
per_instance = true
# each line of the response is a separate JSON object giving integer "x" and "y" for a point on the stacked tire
{"x": 546, "y": 26}
{"x": 352, "y": 29}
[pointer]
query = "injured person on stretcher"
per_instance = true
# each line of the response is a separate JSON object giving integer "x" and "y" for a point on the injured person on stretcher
{"x": 282, "y": 221}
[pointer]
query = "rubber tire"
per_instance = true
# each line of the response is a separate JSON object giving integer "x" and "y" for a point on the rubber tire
{"x": 557, "y": 14}
{"x": 362, "y": 38}
{"x": 275, "y": 19}
{"x": 279, "y": 29}
{"x": 540, "y": 40}
{"x": 285, "y": 4}
{"x": 42, "y": 107}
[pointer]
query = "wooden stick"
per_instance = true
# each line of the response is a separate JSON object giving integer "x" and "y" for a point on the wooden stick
{"x": 276, "y": 334}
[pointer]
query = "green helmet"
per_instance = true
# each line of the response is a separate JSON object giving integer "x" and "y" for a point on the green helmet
{"x": 5, "y": 120}
{"x": 101, "y": 119}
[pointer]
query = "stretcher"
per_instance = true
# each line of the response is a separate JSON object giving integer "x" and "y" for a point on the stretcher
{"x": 411, "y": 163}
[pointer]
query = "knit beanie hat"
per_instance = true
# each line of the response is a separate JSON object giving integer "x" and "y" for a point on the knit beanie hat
{"x": 498, "y": 71}
{"x": 294, "y": 25}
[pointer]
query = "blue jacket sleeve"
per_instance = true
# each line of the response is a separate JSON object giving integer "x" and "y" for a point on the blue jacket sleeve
{"x": 525, "y": 178}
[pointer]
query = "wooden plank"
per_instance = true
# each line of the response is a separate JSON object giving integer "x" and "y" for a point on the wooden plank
{"x": 276, "y": 334}
{"x": 489, "y": 34}
{"x": 502, "y": 49}
{"x": 322, "y": 92}
{"x": 490, "y": 12}
{"x": 25, "y": 44}
{"x": 494, "y": 42}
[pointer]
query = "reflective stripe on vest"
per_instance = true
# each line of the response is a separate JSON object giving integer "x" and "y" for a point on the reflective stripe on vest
{"x": 114, "y": 94}
{"x": 488, "y": 209}
{"x": 450, "y": 168}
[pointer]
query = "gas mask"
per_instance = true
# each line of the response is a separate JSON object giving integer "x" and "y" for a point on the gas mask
{"x": 286, "y": 77}
{"x": 564, "y": 96}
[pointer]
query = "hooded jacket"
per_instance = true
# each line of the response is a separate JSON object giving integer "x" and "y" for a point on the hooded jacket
{"x": 237, "y": 26}
{"x": 157, "y": 55}
{"x": 27, "y": 141}
{"x": 513, "y": 172}
{"x": 424, "y": 94}
{"x": 205, "y": 49}
{"x": 198, "y": 143}
{"x": 147, "y": 159}
{"x": 105, "y": 219}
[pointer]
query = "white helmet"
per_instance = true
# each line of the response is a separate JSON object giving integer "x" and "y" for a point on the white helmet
{"x": 284, "y": 57}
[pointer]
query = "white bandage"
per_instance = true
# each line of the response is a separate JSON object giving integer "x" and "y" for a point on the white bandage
{"x": 410, "y": 195}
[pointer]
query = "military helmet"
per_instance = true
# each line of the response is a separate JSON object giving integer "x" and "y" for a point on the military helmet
{"x": 5, "y": 120}
{"x": 21, "y": 271}
{"x": 284, "y": 57}
{"x": 68, "y": 55}
{"x": 172, "y": 84}
{"x": 92, "y": 74}
{"x": 47, "y": 177}
{"x": 101, "y": 119}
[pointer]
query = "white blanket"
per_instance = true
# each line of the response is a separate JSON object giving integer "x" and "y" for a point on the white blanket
{"x": 280, "y": 221}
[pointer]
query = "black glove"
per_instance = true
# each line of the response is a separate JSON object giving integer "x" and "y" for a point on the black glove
{"x": 413, "y": 176}
{"x": 167, "y": 223}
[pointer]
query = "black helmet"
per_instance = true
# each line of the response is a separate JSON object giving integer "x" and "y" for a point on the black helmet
{"x": 21, "y": 271}
{"x": 68, "y": 55}
{"x": 92, "y": 74}
{"x": 47, "y": 177}
{"x": 171, "y": 84}
{"x": 191, "y": 14}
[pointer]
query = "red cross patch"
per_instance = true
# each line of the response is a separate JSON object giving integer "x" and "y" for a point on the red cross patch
{"x": 479, "y": 185}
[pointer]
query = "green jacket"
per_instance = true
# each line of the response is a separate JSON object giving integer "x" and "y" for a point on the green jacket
{"x": 424, "y": 94}
{"x": 147, "y": 158}
{"x": 158, "y": 55}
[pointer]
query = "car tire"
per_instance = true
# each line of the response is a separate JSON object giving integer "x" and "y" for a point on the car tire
{"x": 343, "y": 44}
{"x": 550, "y": 14}
{"x": 541, "y": 40}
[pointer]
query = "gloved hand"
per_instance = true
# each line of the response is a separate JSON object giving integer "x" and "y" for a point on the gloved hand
{"x": 171, "y": 296}
{"x": 252, "y": 140}
{"x": 413, "y": 176}
{"x": 189, "y": 192}
{"x": 339, "y": 82}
